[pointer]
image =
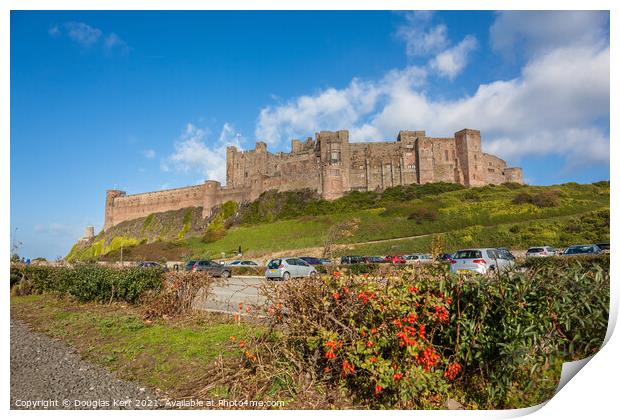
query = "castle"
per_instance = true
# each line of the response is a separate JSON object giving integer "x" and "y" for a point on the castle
{"x": 330, "y": 165}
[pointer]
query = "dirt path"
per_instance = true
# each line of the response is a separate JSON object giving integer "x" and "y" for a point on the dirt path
{"x": 47, "y": 374}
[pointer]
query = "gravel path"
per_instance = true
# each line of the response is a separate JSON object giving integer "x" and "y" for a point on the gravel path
{"x": 46, "y": 374}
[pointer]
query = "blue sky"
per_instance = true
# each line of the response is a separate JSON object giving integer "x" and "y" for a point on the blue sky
{"x": 148, "y": 100}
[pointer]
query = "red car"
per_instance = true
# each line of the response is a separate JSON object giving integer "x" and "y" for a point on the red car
{"x": 395, "y": 259}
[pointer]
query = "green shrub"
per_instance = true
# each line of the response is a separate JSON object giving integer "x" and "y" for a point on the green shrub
{"x": 423, "y": 214}
{"x": 414, "y": 337}
{"x": 92, "y": 282}
{"x": 547, "y": 198}
{"x": 15, "y": 274}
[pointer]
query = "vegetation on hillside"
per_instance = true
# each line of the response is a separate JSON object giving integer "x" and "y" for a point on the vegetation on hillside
{"x": 495, "y": 215}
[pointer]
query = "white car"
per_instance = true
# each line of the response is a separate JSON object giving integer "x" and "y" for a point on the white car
{"x": 418, "y": 258}
{"x": 480, "y": 260}
{"x": 540, "y": 251}
{"x": 288, "y": 268}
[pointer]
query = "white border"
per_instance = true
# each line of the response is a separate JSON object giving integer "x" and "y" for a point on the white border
{"x": 592, "y": 393}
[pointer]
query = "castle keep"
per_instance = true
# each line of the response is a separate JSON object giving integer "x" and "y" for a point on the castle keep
{"x": 330, "y": 165}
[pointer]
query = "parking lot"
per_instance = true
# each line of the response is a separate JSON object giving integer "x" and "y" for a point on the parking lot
{"x": 227, "y": 294}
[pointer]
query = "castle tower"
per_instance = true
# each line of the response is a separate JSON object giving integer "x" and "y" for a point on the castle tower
{"x": 231, "y": 155}
{"x": 110, "y": 196}
{"x": 211, "y": 195}
{"x": 424, "y": 154}
{"x": 469, "y": 155}
{"x": 89, "y": 233}
{"x": 514, "y": 175}
{"x": 335, "y": 162}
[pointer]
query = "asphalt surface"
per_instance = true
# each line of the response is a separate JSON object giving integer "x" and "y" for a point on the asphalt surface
{"x": 47, "y": 374}
{"x": 229, "y": 293}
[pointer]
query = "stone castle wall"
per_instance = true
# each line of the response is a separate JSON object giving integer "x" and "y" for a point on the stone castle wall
{"x": 330, "y": 165}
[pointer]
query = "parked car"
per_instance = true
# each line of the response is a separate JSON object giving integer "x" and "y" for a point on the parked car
{"x": 189, "y": 265}
{"x": 444, "y": 257}
{"x": 591, "y": 249}
{"x": 312, "y": 260}
{"x": 374, "y": 260}
{"x": 288, "y": 268}
{"x": 506, "y": 253}
{"x": 418, "y": 258}
{"x": 352, "y": 260}
{"x": 604, "y": 247}
{"x": 240, "y": 263}
{"x": 326, "y": 261}
{"x": 540, "y": 251}
{"x": 480, "y": 260}
{"x": 213, "y": 268}
{"x": 152, "y": 264}
{"x": 396, "y": 259}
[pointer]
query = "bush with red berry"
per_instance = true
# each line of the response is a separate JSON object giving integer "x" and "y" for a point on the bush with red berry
{"x": 415, "y": 337}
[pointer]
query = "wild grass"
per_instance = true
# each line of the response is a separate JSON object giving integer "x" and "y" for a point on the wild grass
{"x": 163, "y": 354}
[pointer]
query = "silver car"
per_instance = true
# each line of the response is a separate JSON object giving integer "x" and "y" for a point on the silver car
{"x": 418, "y": 258}
{"x": 540, "y": 251}
{"x": 287, "y": 268}
{"x": 480, "y": 260}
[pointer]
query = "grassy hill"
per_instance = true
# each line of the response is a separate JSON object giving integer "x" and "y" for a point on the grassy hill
{"x": 397, "y": 220}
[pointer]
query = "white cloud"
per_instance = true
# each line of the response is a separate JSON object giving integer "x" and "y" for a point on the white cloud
{"x": 193, "y": 154}
{"x": 552, "y": 108}
{"x": 452, "y": 61}
{"x": 54, "y": 31}
{"x": 419, "y": 37}
{"x": 332, "y": 108}
{"x": 149, "y": 153}
{"x": 82, "y": 33}
{"x": 537, "y": 32}
{"x": 573, "y": 143}
{"x": 87, "y": 36}
{"x": 113, "y": 41}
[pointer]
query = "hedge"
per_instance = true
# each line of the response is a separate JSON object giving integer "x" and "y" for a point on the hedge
{"x": 87, "y": 282}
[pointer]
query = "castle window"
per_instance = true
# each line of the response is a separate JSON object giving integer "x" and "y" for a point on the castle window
{"x": 246, "y": 174}
{"x": 335, "y": 156}
{"x": 446, "y": 152}
{"x": 491, "y": 170}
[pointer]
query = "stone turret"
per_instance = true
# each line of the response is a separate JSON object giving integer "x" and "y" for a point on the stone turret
{"x": 109, "y": 207}
{"x": 212, "y": 190}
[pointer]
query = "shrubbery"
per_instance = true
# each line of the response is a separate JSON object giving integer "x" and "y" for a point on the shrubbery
{"x": 541, "y": 199}
{"x": 180, "y": 289}
{"x": 413, "y": 338}
{"x": 88, "y": 282}
{"x": 273, "y": 205}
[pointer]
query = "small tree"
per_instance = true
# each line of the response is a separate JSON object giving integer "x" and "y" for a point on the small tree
{"x": 337, "y": 232}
